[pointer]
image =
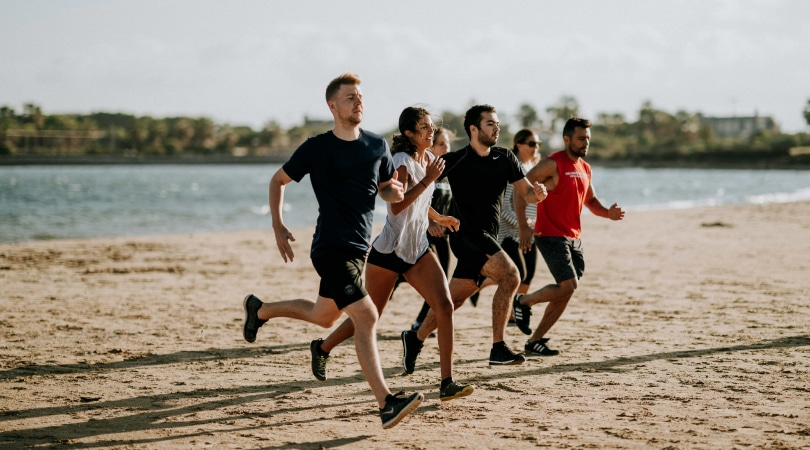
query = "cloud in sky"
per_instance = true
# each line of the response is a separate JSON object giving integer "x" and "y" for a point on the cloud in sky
{"x": 252, "y": 61}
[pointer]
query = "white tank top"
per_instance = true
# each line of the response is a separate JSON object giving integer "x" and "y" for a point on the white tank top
{"x": 406, "y": 233}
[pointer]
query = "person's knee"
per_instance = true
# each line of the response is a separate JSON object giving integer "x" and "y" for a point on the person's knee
{"x": 364, "y": 316}
{"x": 510, "y": 279}
{"x": 443, "y": 307}
{"x": 568, "y": 287}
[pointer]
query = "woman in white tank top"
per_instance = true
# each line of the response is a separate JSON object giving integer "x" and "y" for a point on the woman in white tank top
{"x": 402, "y": 247}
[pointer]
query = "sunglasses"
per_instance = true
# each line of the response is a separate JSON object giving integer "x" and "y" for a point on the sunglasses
{"x": 533, "y": 144}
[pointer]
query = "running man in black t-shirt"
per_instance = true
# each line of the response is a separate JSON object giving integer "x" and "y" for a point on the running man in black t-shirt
{"x": 348, "y": 167}
{"x": 478, "y": 175}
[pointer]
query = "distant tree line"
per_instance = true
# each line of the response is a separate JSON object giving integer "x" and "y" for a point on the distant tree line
{"x": 656, "y": 135}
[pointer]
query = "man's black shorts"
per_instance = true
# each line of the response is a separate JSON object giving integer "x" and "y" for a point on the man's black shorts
{"x": 341, "y": 273}
{"x": 472, "y": 252}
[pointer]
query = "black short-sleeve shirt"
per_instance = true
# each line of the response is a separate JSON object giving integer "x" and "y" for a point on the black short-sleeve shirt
{"x": 478, "y": 183}
{"x": 345, "y": 176}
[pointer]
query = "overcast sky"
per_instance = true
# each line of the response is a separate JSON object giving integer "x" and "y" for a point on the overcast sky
{"x": 247, "y": 62}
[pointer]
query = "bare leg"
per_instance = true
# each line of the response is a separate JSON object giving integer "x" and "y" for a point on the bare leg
{"x": 487, "y": 283}
{"x": 522, "y": 289}
{"x": 380, "y": 284}
{"x": 501, "y": 269}
{"x": 429, "y": 280}
{"x": 364, "y": 315}
{"x": 322, "y": 312}
{"x": 460, "y": 290}
{"x": 557, "y": 296}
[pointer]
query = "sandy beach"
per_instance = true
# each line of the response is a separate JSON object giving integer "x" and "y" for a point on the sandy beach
{"x": 690, "y": 330}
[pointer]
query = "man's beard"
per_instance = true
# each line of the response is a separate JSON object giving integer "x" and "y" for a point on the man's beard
{"x": 581, "y": 152}
{"x": 352, "y": 120}
{"x": 487, "y": 140}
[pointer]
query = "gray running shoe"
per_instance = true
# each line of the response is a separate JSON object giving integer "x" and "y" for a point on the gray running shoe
{"x": 539, "y": 348}
{"x": 455, "y": 390}
{"x": 501, "y": 355}
{"x": 251, "y": 305}
{"x": 523, "y": 315}
{"x": 397, "y": 406}
{"x": 319, "y": 358}
{"x": 411, "y": 346}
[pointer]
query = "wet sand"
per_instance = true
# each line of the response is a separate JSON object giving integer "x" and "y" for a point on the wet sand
{"x": 689, "y": 330}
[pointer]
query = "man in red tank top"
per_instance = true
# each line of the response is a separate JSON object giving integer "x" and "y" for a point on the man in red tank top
{"x": 557, "y": 229}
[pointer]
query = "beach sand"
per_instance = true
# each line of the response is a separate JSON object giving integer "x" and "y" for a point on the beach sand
{"x": 689, "y": 330}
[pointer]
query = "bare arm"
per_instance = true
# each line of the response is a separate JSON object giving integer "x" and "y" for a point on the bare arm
{"x": 445, "y": 221}
{"x": 598, "y": 209}
{"x": 417, "y": 187}
{"x": 526, "y": 192}
{"x": 544, "y": 172}
{"x": 392, "y": 191}
{"x": 283, "y": 235}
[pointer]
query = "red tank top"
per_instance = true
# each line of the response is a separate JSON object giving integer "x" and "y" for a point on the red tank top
{"x": 559, "y": 214}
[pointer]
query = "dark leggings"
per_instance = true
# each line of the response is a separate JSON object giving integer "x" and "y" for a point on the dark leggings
{"x": 525, "y": 262}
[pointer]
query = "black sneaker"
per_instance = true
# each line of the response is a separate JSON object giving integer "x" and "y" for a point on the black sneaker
{"x": 319, "y": 358}
{"x": 511, "y": 323}
{"x": 455, "y": 390}
{"x": 474, "y": 299}
{"x": 523, "y": 315}
{"x": 251, "y": 305}
{"x": 411, "y": 346}
{"x": 539, "y": 348}
{"x": 397, "y": 406}
{"x": 501, "y": 355}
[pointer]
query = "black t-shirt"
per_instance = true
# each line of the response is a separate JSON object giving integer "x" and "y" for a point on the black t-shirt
{"x": 345, "y": 177}
{"x": 478, "y": 184}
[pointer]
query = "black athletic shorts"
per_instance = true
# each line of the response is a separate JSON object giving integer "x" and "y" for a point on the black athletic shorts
{"x": 472, "y": 252}
{"x": 563, "y": 256}
{"x": 341, "y": 273}
{"x": 390, "y": 261}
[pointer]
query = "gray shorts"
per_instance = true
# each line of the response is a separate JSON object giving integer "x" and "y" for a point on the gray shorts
{"x": 563, "y": 256}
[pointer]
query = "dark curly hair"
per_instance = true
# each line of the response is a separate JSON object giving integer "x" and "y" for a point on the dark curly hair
{"x": 408, "y": 119}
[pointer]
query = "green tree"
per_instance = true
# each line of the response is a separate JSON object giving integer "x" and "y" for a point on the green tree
{"x": 181, "y": 131}
{"x": 453, "y": 122}
{"x": 527, "y": 116}
{"x": 565, "y": 108}
{"x": 32, "y": 114}
{"x": 204, "y": 129}
{"x": 8, "y": 118}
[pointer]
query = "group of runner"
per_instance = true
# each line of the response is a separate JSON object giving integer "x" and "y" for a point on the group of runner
{"x": 349, "y": 166}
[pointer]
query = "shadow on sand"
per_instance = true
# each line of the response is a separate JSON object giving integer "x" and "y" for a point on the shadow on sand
{"x": 157, "y": 411}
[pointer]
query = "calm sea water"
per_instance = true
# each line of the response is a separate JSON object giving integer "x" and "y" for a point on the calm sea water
{"x": 59, "y": 202}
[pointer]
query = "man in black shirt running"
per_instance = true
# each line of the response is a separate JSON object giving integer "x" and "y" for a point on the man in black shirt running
{"x": 478, "y": 175}
{"x": 348, "y": 167}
